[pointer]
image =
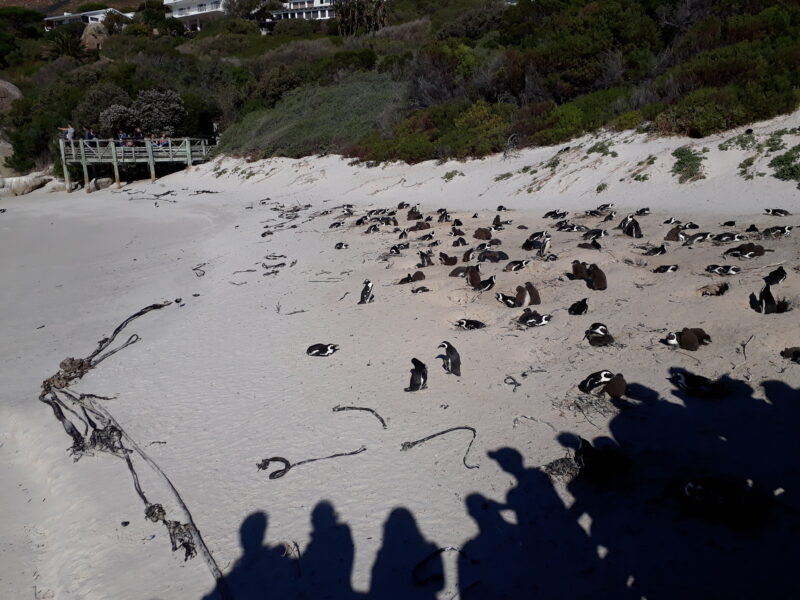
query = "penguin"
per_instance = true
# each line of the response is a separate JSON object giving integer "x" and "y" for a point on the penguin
{"x": 580, "y": 270}
{"x": 374, "y": 228}
{"x": 701, "y": 335}
{"x": 458, "y": 223}
{"x": 544, "y": 248}
{"x": 604, "y": 207}
{"x": 473, "y": 276}
{"x": 642, "y": 212}
{"x": 726, "y": 238}
{"x": 598, "y": 335}
{"x": 672, "y": 221}
{"x": 516, "y": 265}
{"x": 657, "y": 251}
{"x": 594, "y": 381}
{"x": 792, "y": 354}
{"x": 501, "y": 208}
{"x": 531, "y": 318}
{"x": 403, "y": 235}
{"x": 444, "y": 217}
{"x": 474, "y": 215}
{"x": 335, "y": 224}
{"x": 321, "y": 349}
{"x": 427, "y": 237}
{"x": 625, "y": 222}
{"x": 728, "y": 224}
{"x": 766, "y": 301}
{"x": 777, "y": 231}
{"x": 366, "y": 293}
{"x": 487, "y": 284}
{"x": 616, "y": 387}
{"x": 598, "y": 278}
{"x": 506, "y": 300}
{"x": 470, "y": 324}
{"x": 416, "y": 276}
{"x": 666, "y": 269}
{"x": 675, "y": 234}
{"x": 459, "y": 242}
{"x": 425, "y": 259}
{"x": 533, "y": 293}
{"x": 468, "y": 255}
{"x": 455, "y": 232}
{"x": 483, "y": 233}
{"x": 594, "y": 234}
{"x": 579, "y": 308}
{"x": 447, "y": 261}
{"x": 522, "y": 298}
{"x": 341, "y": 246}
{"x": 697, "y": 385}
{"x": 776, "y": 277}
{"x": 402, "y": 205}
{"x": 414, "y": 215}
{"x": 420, "y": 290}
{"x": 632, "y": 229}
{"x": 452, "y": 360}
{"x": 685, "y": 339}
{"x": 777, "y": 212}
{"x": 554, "y": 214}
{"x": 419, "y": 376}
{"x": 610, "y": 216}
{"x": 696, "y": 238}
{"x": 458, "y": 272}
{"x": 723, "y": 269}
{"x": 394, "y": 251}
{"x": 690, "y": 225}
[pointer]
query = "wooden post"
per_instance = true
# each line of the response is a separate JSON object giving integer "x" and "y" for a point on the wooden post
{"x": 203, "y": 146}
{"x": 187, "y": 142}
{"x": 113, "y": 147}
{"x": 67, "y": 182}
{"x": 85, "y": 167}
{"x": 150, "y": 160}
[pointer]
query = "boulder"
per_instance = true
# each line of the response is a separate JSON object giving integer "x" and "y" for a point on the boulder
{"x": 94, "y": 36}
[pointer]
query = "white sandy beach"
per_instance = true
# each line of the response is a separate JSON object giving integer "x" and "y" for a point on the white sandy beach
{"x": 220, "y": 380}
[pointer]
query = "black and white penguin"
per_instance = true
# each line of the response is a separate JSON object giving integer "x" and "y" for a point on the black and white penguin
{"x": 697, "y": 385}
{"x": 690, "y": 225}
{"x": 366, "y": 293}
{"x": 726, "y": 238}
{"x": 522, "y": 297}
{"x": 598, "y": 335}
{"x": 487, "y": 284}
{"x": 403, "y": 234}
{"x": 666, "y": 269}
{"x": 374, "y": 228}
{"x": 594, "y": 381}
{"x": 533, "y": 294}
{"x": 656, "y": 251}
{"x": 420, "y": 290}
{"x": 579, "y": 308}
{"x": 696, "y": 238}
{"x": 455, "y": 232}
{"x": 605, "y": 207}
{"x": 470, "y": 324}
{"x": 531, "y": 318}
{"x": 766, "y": 301}
{"x": 625, "y": 222}
{"x": 778, "y": 230}
{"x": 792, "y": 354}
{"x": 505, "y": 299}
{"x": 517, "y": 265}
{"x": 775, "y": 277}
{"x": 452, "y": 360}
{"x": 341, "y": 246}
{"x": 776, "y": 212}
{"x": 728, "y": 224}
{"x": 594, "y": 234}
{"x": 402, "y": 205}
{"x": 726, "y": 270}
{"x": 322, "y": 349}
{"x": 448, "y": 261}
{"x": 554, "y": 214}
{"x": 426, "y": 259}
{"x": 419, "y": 376}
{"x": 675, "y": 234}
{"x": 335, "y": 224}
{"x": 458, "y": 223}
{"x": 632, "y": 229}
{"x": 460, "y": 242}
{"x": 427, "y": 237}
{"x": 672, "y": 221}
{"x": 610, "y": 216}
{"x": 643, "y": 212}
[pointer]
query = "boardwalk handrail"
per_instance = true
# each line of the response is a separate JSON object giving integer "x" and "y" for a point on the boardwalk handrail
{"x": 115, "y": 152}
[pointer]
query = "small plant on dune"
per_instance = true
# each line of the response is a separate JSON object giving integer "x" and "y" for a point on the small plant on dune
{"x": 689, "y": 165}
{"x": 603, "y": 149}
{"x": 744, "y": 141}
{"x": 787, "y": 165}
{"x": 503, "y": 176}
{"x": 746, "y": 168}
{"x": 450, "y": 175}
{"x": 552, "y": 164}
{"x": 601, "y": 188}
{"x": 775, "y": 141}
{"x": 641, "y": 177}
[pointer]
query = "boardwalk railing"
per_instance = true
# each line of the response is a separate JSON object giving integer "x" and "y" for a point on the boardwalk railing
{"x": 111, "y": 152}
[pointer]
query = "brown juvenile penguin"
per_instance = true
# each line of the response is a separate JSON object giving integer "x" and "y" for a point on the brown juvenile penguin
{"x": 617, "y": 387}
{"x": 474, "y": 277}
{"x": 534, "y": 293}
{"x": 675, "y": 234}
{"x": 523, "y": 297}
{"x": 468, "y": 255}
{"x": 599, "y": 281}
{"x": 449, "y": 261}
{"x": 580, "y": 270}
{"x": 688, "y": 340}
{"x": 482, "y": 233}
{"x": 701, "y": 336}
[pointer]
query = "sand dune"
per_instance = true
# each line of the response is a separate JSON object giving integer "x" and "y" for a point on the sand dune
{"x": 220, "y": 380}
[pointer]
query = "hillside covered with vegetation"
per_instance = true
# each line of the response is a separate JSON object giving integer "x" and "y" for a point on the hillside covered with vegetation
{"x": 427, "y": 80}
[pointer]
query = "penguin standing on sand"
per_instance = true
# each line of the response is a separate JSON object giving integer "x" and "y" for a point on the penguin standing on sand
{"x": 776, "y": 277}
{"x": 598, "y": 335}
{"x": 766, "y": 301}
{"x": 598, "y": 278}
{"x": 579, "y": 308}
{"x": 419, "y": 376}
{"x": 452, "y": 360}
{"x": 366, "y": 293}
{"x": 617, "y": 387}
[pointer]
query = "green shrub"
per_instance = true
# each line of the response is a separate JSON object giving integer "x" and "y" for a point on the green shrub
{"x": 450, "y": 175}
{"x": 743, "y": 141}
{"x": 503, "y": 176}
{"x": 601, "y": 188}
{"x": 787, "y": 165}
{"x": 689, "y": 164}
{"x": 297, "y": 27}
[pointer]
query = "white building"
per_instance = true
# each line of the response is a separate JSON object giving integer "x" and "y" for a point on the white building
{"x": 92, "y": 16}
{"x": 196, "y": 13}
{"x": 305, "y": 9}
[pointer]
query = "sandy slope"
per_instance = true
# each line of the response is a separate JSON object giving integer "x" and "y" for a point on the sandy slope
{"x": 220, "y": 380}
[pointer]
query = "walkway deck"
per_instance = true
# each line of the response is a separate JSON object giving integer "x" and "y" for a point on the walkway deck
{"x": 186, "y": 151}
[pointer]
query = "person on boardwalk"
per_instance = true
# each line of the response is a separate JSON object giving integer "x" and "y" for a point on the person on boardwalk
{"x": 69, "y": 132}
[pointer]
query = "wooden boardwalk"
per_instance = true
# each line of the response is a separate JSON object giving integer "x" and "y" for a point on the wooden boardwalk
{"x": 187, "y": 151}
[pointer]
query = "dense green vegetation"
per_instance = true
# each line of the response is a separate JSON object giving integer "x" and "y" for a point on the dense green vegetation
{"x": 446, "y": 78}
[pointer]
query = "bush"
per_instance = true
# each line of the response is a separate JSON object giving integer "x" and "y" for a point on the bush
{"x": 689, "y": 164}
{"x": 98, "y": 98}
{"x": 297, "y": 27}
{"x": 115, "y": 118}
{"x": 158, "y": 111}
{"x": 787, "y": 165}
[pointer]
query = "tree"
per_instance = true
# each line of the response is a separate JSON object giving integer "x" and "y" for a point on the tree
{"x": 63, "y": 44}
{"x": 115, "y": 22}
{"x": 98, "y": 98}
{"x": 158, "y": 111}
{"x": 115, "y": 118}
{"x": 243, "y": 9}
{"x": 360, "y": 16}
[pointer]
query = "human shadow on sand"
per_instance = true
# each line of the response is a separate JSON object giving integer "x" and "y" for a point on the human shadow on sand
{"x": 705, "y": 504}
